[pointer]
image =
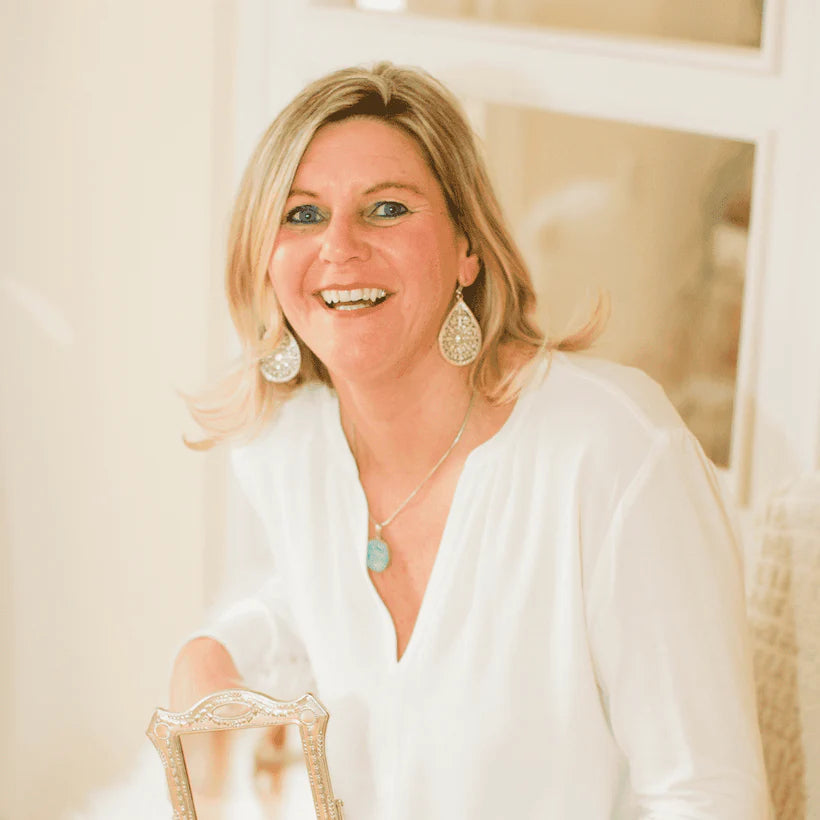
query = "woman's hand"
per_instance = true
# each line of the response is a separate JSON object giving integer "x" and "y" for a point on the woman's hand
{"x": 202, "y": 667}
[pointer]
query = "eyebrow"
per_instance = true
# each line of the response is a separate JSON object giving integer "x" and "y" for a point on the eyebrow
{"x": 381, "y": 186}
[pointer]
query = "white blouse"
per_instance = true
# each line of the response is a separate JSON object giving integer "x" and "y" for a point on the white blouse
{"x": 581, "y": 649}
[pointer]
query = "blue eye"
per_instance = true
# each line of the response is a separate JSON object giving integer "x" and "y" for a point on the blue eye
{"x": 389, "y": 210}
{"x": 304, "y": 215}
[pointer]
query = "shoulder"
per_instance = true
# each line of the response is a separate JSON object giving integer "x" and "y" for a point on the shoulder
{"x": 589, "y": 402}
{"x": 618, "y": 451}
{"x": 610, "y": 394}
{"x": 593, "y": 426}
{"x": 300, "y": 424}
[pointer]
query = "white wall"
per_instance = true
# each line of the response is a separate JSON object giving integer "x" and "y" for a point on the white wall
{"x": 115, "y": 191}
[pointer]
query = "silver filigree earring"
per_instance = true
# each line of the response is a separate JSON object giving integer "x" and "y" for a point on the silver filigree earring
{"x": 459, "y": 339}
{"x": 283, "y": 362}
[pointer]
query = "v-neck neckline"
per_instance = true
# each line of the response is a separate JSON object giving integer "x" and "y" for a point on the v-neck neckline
{"x": 446, "y": 551}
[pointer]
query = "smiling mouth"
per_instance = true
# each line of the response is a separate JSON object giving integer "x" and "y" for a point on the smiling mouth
{"x": 353, "y": 299}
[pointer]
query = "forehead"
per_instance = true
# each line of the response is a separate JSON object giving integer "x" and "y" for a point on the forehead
{"x": 364, "y": 147}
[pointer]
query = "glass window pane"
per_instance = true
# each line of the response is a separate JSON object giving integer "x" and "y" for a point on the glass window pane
{"x": 657, "y": 218}
{"x": 729, "y": 22}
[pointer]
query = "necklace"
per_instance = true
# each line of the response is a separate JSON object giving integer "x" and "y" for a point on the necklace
{"x": 378, "y": 553}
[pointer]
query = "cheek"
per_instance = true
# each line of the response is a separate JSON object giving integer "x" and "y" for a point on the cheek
{"x": 286, "y": 269}
{"x": 425, "y": 254}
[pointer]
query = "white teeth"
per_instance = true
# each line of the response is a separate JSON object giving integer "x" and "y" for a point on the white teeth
{"x": 340, "y": 297}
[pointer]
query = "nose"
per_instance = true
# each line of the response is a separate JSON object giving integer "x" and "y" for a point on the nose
{"x": 342, "y": 241}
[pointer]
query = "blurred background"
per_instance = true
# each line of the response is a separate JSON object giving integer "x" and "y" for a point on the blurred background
{"x": 657, "y": 149}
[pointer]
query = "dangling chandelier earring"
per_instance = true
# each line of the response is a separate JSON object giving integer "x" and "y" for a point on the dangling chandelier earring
{"x": 459, "y": 339}
{"x": 283, "y": 362}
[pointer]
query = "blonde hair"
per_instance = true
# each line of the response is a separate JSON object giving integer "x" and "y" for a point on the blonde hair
{"x": 502, "y": 297}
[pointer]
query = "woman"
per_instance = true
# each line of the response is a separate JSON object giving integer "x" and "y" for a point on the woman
{"x": 505, "y": 569}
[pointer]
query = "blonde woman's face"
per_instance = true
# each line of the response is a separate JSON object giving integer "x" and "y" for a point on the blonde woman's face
{"x": 367, "y": 258}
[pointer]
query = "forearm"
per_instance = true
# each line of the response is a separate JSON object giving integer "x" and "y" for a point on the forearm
{"x": 202, "y": 666}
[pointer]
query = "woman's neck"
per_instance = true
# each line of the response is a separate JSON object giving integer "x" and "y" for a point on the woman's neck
{"x": 404, "y": 424}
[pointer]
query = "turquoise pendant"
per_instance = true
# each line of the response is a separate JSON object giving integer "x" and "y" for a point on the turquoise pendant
{"x": 378, "y": 555}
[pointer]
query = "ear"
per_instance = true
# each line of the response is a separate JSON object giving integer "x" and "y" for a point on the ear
{"x": 469, "y": 264}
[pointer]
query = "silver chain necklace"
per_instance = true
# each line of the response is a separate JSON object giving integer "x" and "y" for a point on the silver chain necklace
{"x": 378, "y": 553}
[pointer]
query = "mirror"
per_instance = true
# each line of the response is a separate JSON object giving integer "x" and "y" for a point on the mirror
{"x": 253, "y": 774}
{"x": 241, "y": 755}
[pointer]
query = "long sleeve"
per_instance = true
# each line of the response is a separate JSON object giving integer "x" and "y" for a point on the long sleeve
{"x": 668, "y": 634}
{"x": 254, "y": 622}
{"x": 259, "y": 636}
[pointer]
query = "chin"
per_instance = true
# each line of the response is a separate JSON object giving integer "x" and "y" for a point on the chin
{"x": 355, "y": 359}
{"x": 351, "y": 371}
